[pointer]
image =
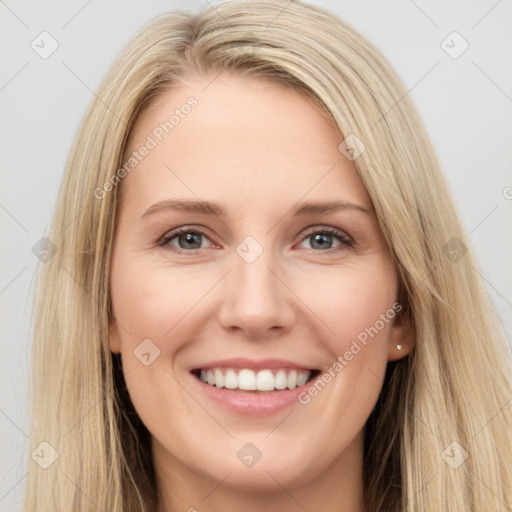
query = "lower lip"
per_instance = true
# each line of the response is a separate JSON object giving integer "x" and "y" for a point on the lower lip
{"x": 252, "y": 403}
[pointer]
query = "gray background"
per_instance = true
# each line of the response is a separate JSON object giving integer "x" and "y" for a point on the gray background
{"x": 466, "y": 104}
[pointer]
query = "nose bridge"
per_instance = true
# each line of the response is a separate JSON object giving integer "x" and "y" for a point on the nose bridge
{"x": 254, "y": 279}
{"x": 255, "y": 300}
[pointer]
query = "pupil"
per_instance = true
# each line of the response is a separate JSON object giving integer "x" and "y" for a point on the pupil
{"x": 191, "y": 241}
{"x": 322, "y": 240}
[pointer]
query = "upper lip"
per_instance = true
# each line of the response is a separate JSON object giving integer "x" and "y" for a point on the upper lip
{"x": 253, "y": 364}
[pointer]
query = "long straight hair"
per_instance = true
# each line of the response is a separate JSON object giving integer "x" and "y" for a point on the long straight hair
{"x": 448, "y": 400}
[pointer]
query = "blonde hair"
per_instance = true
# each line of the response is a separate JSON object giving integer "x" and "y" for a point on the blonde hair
{"x": 453, "y": 388}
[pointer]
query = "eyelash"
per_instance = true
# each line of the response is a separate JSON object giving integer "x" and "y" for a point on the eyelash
{"x": 343, "y": 238}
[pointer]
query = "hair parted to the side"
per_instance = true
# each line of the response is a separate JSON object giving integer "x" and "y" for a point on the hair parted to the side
{"x": 455, "y": 385}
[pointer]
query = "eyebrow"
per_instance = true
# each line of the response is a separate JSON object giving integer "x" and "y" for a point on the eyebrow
{"x": 209, "y": 208}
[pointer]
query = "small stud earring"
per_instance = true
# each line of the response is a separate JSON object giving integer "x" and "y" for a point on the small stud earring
{"x": 399, "y": 347}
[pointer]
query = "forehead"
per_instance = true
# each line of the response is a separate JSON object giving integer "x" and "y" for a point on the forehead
{"x": 243, "y": 140}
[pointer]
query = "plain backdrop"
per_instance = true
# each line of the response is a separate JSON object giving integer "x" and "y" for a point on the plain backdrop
{"x": 465, "y": 102}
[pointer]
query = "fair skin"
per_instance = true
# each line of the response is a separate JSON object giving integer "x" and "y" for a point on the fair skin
{"x": 259, "y": 151}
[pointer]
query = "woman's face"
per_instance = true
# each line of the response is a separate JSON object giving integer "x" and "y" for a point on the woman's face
{"x": 278, "y": 273}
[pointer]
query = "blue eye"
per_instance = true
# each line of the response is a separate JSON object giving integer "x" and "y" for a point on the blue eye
{"x": 323, "y": 239}
{"x": 187, "y": 240}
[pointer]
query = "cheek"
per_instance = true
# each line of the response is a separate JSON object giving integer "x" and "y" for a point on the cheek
{"x": 151, "y": 302}
{"x": 355, "y": 304}
{"x": 154, "y": 306}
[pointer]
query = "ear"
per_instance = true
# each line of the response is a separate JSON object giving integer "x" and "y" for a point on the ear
{"x": 114, "y": 338}
{"x": 402, "y": 337}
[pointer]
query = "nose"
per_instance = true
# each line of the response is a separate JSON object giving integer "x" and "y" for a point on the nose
{"x": 256, "y": 300}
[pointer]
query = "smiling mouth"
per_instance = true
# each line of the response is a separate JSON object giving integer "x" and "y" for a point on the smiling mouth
{"x": 260, "y": 381}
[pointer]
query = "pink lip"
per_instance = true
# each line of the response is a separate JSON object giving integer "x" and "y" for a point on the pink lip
{"x": 251, "y": 403}
{"x": 253, "y": 364}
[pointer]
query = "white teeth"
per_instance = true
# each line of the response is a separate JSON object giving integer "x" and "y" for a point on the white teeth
{"x": 219, "y": 378}
{"x": 249, "y": 380}
{"x": 280, "y": 380}
{"x": 291, "y": 380}
{"x": 246, "y": 380}
{"x": 230, "y": 380}
{"x": 265, "y": 380}
{"x": 301, "y": 379}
